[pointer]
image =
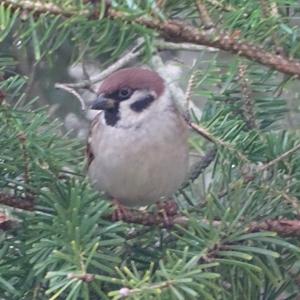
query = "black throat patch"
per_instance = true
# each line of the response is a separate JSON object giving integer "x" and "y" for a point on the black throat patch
{"x": 112, "y": 116}
{"x": 142, "y": 103}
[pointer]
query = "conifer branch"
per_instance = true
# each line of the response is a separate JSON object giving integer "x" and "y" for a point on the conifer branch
{"x": 283, "y": 227}
{"x": 176, "y": 31}
{"x": 12, "y": 201}
{"x": 279, "y": 158}
{"x": 180, "y": 32}
{"x": 207, "y": 135}
{"x": 247, "y": 98}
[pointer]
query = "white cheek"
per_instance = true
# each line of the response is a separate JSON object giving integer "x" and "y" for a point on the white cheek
{"x": 127, "y": 115}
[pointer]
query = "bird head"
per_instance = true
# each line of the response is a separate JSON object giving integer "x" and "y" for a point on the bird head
{"x": 130, "y": 96}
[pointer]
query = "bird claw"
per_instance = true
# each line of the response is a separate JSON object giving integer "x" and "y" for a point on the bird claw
{"x": 120, "y": 212}
{"x": 167, "y": 209}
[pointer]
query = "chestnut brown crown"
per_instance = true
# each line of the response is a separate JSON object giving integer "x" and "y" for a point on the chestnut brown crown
{"x": 133, "y": 78}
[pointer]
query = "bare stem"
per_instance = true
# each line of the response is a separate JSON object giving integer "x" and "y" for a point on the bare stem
{"x": 123, "y": 61}
{"x": 279, "y": 158}
{"x": 207, "y": 135}
{"x": 72, "y": 91}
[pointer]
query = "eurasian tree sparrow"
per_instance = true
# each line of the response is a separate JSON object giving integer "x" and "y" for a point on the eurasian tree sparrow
{"x": 137, "y": 148}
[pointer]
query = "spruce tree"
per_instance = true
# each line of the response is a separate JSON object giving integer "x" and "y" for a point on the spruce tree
{"x": 236, "y": 232}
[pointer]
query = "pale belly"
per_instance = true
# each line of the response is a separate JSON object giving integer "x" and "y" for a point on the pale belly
{"x": 140, "y": 169}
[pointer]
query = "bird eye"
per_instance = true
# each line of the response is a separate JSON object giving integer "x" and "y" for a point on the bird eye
{"x": 124, "y": 93}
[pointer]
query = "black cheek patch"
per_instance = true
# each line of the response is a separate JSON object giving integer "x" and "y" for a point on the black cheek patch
{"x": 112, "y": 117}
{"x": 142, "y": 103}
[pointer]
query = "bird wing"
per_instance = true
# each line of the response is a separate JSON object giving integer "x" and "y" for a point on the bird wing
{"x": 95, "y": 125}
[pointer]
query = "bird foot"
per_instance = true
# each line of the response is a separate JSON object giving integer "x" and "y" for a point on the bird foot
{"x": 120, "y": 212}
{"x": 167, "y": 209}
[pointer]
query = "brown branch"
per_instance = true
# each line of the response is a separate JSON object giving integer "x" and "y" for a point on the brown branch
{"x": 12, "y": 201}
{"x": 282, "y": 227}
{"x": 135, "y": 216}
{"x": 179, "y": 32}
{"x": 176, "y": 31}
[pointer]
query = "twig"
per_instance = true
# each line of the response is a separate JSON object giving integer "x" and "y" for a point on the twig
{"x": 200, "y": 166}
{"x": 180, "y": 32}
{"x": 176, "y": 91}
{"x": 279, "y": 158}
{"x": 70, "y": 90}
{"x": 189, "y": 92}
{"x": 282, "y": 227}
{"x": 204, "y": 15}
{"x": 12, "y": 201}
{"x": 86, "y": 277}
{"x": 146, "y": 218}
{"x": 247, "y": 98}
{"x": 163, "y": 45}
{"x": 292, "y": 200}
{"x": 175, "y": 31}
{"x": 123, "y": 61}
{"x": 221, "y": 6}
{"x": 203, "y": 132}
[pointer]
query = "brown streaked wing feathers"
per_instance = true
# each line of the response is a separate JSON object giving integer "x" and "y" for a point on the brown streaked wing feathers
{"x": 89, "y": 152}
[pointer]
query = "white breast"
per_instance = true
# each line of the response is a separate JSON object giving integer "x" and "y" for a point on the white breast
{"x": 140, "y": 165}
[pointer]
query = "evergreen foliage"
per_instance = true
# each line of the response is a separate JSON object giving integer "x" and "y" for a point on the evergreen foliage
{"x": 60, "y": 243}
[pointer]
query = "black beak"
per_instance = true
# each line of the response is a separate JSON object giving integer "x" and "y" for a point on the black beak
{"x": 102, "y": 103}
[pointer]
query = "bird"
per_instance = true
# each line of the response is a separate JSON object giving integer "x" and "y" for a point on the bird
{"x": 137, "y": 149}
